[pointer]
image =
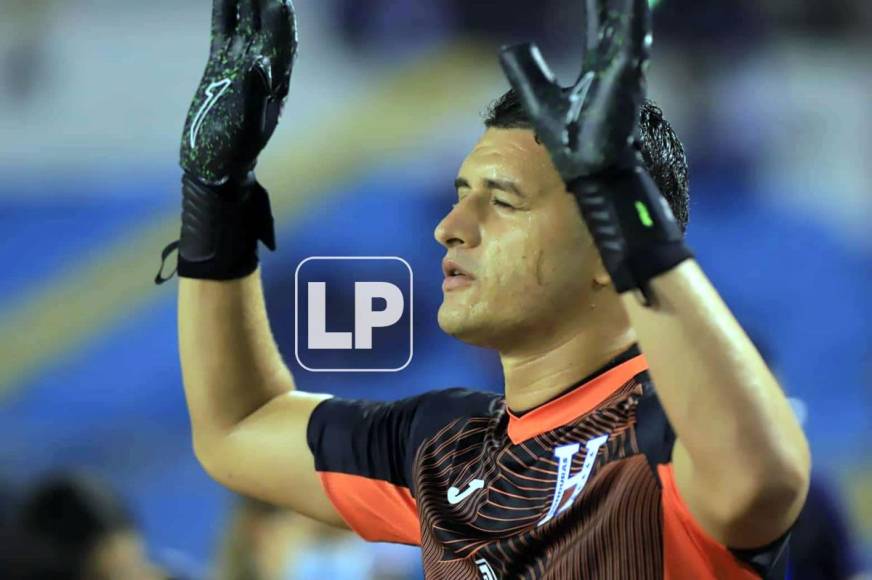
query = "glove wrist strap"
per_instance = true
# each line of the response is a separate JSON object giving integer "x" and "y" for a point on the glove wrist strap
{"x": 221, "y": 227}
{"x": 632, "y": 225}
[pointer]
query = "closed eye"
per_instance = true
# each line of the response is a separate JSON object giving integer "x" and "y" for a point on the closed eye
{"x": 501, "y": 203}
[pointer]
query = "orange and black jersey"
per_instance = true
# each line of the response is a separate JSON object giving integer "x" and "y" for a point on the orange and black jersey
{"x": 580, "y": 487}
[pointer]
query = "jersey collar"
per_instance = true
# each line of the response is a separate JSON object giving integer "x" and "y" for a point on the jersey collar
{"x": 578, "y": 401}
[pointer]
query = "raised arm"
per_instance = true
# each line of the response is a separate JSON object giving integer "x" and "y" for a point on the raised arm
{"x": 248, "y": 421}
{"x": 249, "y": 424}
{"x": 741, "y": 462}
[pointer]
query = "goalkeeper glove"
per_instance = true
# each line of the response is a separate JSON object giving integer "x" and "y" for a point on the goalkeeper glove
{"x": 591, "y": 133}
{"x": 225, "y": 211}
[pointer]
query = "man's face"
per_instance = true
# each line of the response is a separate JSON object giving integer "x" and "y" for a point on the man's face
{"x": 518, "y": 235}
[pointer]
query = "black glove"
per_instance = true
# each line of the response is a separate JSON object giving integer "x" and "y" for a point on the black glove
{"x": 232, "y": 117}
{"x": 591, "y": 132}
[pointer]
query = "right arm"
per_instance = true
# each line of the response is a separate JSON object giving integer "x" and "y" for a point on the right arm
{"x": 249, "y": 423}
{"x": 252, "y": 431}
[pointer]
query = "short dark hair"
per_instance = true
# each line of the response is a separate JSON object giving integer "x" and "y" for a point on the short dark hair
{"x": 662, "y": 151}
{"x": 67, "y": 515}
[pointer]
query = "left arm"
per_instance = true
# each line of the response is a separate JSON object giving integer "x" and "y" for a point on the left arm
{"x": 741, "y": 461}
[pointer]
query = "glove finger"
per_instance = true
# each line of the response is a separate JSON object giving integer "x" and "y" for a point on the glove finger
{"x": 613, "y": 19}
{"x": 262, "y": 76}
{"x": 641, "y": 30}
{"x": 630, "y": 45}
{"x": 279, "y": 20}
{"x": 249, "y": 20}
{"x": 252, "y": 126}
{"x": 280, "y": 31}
{"x": 592, "y": 25}
{"x": 628, "y": 26}
{"x": 223, "y": 21}
{"x": 577, "y": 96}
{"x": 610, "y": 115}
{"x": 262, "y": 110}
{"x": 270, "y": 10}
{"x": 529, "y": 75}
{"x": 612, "y": 110}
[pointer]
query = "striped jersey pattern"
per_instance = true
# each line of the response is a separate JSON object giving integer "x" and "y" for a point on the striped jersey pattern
{"x": 580, "y": 487}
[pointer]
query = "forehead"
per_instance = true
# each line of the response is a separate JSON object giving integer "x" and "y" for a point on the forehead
{"x": 511, "y": 154}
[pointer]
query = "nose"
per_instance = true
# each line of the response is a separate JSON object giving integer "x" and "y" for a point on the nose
{"x": 461, "y": 227}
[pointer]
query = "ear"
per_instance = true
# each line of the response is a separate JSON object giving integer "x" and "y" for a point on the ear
{"x": 601, "y": 279}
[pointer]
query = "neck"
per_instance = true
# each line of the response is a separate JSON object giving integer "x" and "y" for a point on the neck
{"x": 536, "y": 375}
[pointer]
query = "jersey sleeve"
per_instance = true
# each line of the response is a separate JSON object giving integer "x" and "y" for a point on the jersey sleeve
{"x": 364, "y": 455}
{"x": 688, "y": 550}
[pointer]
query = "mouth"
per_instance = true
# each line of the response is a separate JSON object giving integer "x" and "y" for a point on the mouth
{"x": 456, "y": 277}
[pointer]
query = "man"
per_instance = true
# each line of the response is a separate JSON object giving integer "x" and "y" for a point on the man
{"x": 562, "y": 255}
{"x": 267, "y": 542}
{"x": 74, "y": 527}
{"x": 822, "y": 543}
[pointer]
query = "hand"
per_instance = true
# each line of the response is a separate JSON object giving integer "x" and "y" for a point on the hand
{"x": 591, "y": 132}
{"x": 589, "y": 127}
{"x": 225, "y": 211}
{"x": 242, "y": 93}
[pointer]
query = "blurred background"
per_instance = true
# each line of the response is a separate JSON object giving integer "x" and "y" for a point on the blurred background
{"x": 772, "y": 99}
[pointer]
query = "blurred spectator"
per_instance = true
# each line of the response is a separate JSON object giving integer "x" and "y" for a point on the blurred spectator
{"x": 264, "y": 542}
{"x": 75, "y": 528}
{"x": 821, "y": 544}
{"x": 257, "y": 543}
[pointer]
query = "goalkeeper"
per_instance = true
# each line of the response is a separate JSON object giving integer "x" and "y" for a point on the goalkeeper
{"x": 640, "y": 435}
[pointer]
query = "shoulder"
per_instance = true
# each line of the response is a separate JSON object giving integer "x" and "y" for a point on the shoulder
{"x": 403, "y": 424}
{"x": 438, "y": 404}
{"x": 682, "y": 533}
{"x": 379, "y": 440}
{"x": 437, "y": 409}
{"x": 460, "y": 401}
